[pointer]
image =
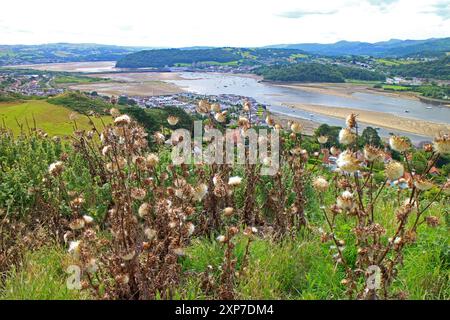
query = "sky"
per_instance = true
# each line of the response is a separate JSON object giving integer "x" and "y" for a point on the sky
{"x": 179, "y": 23}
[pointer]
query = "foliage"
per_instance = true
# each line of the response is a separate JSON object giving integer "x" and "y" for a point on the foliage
{"x": 315, "y": 72}
{"x": 81, "y": 103}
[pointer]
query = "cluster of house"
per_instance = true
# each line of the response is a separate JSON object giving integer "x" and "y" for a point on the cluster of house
{"x": 30, "y": 85}
{"x": 405, "y": 81}
{"x": 189, "y": 101}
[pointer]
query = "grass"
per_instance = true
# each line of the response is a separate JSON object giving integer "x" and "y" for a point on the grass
{"x": 395, "y": 87}
{"x": 53, "y": 119}
{"x": 42, "y": 277}
{"x": 77, "y": 79}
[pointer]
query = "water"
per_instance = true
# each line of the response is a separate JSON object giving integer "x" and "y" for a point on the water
{"x": 274, "y": 96}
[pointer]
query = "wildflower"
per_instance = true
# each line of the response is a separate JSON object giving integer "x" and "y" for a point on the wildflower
{"x": 138, "y": 193}
{"x": 249, "y": 231}
{"x": 446, "y": 188}
{"x": 320, "y": 184}
{"x": 234, "y": 181}
{"x": 441, "y": 144}
{"x": 246, "y": 106}
{"x": 203, "y": 107}
{"x": 221, "y": 238}
{"x": 88, "y": 219}
{"x": 150, "y": 233}
{"x": 179, "y": 252}
{"x": 128, "y": 256}
{"x": 200, "y": 191}
{"x": 122, "y": 120}
{"x": 190, "y": 228}
{"x": 74, "y": 247}
{"x": 172, "y": 120}
{"x": 114, "y": 112}
{"x": 221, "y": 116}
{"x": 228, "y": 211}
{"x": 423, "y": 184}
{"x": 233, "y": 231}
{"x": 117, "y": 165}
{"x": 371, "y": 153}
{"x": 432, "y": 221}
{"x": 144, "y": 210}
{"x": 215, "y": 107}
{"x": 347, "y": 162}
{"x": 394, "y": 170}
{"x": 56, "y": 168}
{"x": 122, "y": 279}
{"x": 270, "y": 121}
{"x": 243, "y": 122}
{"x": 77, "y": 224}
{"x": 428, "y": 147}
{"x": 399, "y": 144}
{"x": 77, "y": 202}
{"x": 152, "y": 160}
{"x": 334, "y": 151}
{"x": 346, "y": 136}
{"x": 106, "y": 150}
{"x": 296, "y": 127}
{"x": 91, "y": 266}
{"x": 345, "y": 200}
{"x": 322, "y": 139}
{"x": 159, "y": 137}
{"x": 351, "y": 120}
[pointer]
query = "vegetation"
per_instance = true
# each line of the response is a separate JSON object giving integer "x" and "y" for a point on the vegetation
{"x": 315, "y": 72}
{"x": 81, "y": 103}
{"x": 52, "y": 119}
{"x": 436, "y": 69}
{"x": 60, "y": 52}
{"x": 140, "y": 227}
{"x": 213, "y": 56}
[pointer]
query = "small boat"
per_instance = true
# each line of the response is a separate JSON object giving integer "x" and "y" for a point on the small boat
{"x": 429, "y": 108}
{"x": 406, "y": 111}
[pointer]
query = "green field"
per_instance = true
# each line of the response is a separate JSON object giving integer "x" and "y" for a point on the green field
{"x": 77, "y": 79}
{"x": 53, "y": 119}
{"x": 394, "y": 87}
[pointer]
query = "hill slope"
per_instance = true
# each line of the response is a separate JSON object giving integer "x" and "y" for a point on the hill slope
{"x": 235, "y": 56}
{"x": 53, "y": 119}
{"x": 391, "y": 48}
{"x": 61, "y": 52}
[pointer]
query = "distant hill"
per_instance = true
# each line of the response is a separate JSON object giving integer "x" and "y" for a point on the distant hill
{"x": 224, "y": 56}
{"x": 61, "y": 52}
{"x": 391, "y": 48}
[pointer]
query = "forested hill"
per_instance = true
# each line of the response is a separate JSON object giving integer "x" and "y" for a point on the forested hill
{"x": 61, "y": 52}
{"x": 316, "y": 72}
{"x": 226, "y": 56}
{"x": 437, "y": 69}
{"x": 391, "y": 48}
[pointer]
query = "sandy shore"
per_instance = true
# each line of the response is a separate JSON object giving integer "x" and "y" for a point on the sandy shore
{"x": 308, "y": 126}
{"x": 345, "y": 90}
{"x": 379, "y": 119}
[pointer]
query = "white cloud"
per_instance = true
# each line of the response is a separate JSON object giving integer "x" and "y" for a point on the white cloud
{"x": 231, "y": 23}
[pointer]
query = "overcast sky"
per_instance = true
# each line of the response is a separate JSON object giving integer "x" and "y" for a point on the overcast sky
{"x": 177, "y": 23}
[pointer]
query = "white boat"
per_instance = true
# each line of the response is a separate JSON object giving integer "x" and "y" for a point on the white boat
{"x": 429, "y": 108}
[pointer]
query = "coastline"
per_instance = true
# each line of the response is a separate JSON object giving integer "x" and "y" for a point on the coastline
{"x": 378, "y": 119}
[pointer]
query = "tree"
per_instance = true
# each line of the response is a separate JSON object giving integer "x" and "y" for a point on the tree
{"x": 370, "y": 136}
{"x": 332, "y": 132}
